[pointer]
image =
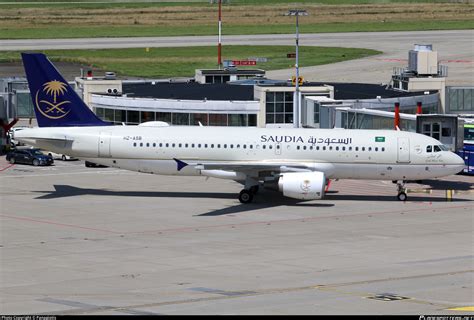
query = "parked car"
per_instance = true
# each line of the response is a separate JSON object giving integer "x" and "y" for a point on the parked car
{"x": 94, "y": 165}
{"x": 60, "y": 156}
{"x": 29, "y": 156}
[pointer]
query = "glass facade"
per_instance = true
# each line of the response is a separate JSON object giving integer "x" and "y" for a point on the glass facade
{"x": 353, "y": 120}
{"x": 24, "y": 105}
{"x": 176, "y": 118}
{"x": 460, "y": 99}
{"x": 279, "y": 107}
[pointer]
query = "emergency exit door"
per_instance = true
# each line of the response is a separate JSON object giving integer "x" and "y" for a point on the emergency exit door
{"x": 104, "y": 144}
{"x": 403, "y": 152}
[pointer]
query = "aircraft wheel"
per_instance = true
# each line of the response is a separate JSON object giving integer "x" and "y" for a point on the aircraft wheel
{"x": 63, "y": 157}
{"x": 245, "y": 196}
{"x": 254, "y": 189}
{"x": 12, "y": 160}
{"x": 402, "y": 196}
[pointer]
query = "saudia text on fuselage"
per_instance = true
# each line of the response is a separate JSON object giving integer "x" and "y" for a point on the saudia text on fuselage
{"x": 300, "y": 139}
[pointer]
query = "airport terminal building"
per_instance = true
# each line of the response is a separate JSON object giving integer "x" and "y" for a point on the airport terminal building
{"x": 232, "y": 97}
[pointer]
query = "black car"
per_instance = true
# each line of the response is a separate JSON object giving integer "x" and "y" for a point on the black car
{"x": 29, "y": 156}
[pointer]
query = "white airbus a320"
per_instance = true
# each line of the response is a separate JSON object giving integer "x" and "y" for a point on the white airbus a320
{"x": 298, "y": 162}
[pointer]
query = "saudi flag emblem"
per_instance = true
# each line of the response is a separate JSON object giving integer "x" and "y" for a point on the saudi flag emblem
{"x": 379, "y": 139}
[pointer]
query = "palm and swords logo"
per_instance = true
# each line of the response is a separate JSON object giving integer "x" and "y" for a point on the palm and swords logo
{"x": 57, "y": 108}
{"x": 306, "y": 186}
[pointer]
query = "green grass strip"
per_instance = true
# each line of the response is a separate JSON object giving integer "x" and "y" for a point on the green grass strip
{"x": 182, "y": 61}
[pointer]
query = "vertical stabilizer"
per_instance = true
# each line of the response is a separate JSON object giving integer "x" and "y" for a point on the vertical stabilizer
{"x": 56, "y": 104}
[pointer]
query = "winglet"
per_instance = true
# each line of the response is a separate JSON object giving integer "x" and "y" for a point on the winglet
{"x": 181, "y": 164}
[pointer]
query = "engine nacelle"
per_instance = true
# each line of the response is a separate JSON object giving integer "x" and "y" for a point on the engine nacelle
{"x": 302, "y": 185}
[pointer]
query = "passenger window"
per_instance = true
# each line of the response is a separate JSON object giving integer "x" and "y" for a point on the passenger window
{"x": 173, "y": 145}
{"x": 383, "y": 149}
{"x": 324, "y": 148}
{"x": 232, "y": 146}
{"x": 264, "y": 147}
{"x": 179, "y": 145}
{"x": 310, "y": 147}
{"x": 161, "y": 144}
{"x": 134, "y": 144}
{"x": 186, "y": 145}
{"x": 244, "y": 146}
{"x": 376, "y": 149}
{"x": 192, "y": 145}
{"x": 356, "y": 148}
{"x": 212, "y": 145}
{"x": 437, "y": 149}
{"x": 429, "y": 149}
{"x": 154, "y": 144}
{"x": 218, "y": 145}
{"x": 141, "y": 144}
{"x": 167, "y": 145}
{"x": 304, "y": 147}
{"x": 238, "y": 146}
{"x": 363, "y": 148}
{"x": 330, "y": 148}
{"x": 297, "y": 147}
{"x": 350, "y": 148}
{"x": 317, "y": 147}
{"x": 270, "y": 147}
{"x": 337, "y": 148}
{"x": 370, "y": 148}
{"x": 225, "y": 146}
{"x": 251, "y": 146}
{"x": 199, "y": 145}
{"x": 343, "y": 148}
{"x": 205, "y": 145}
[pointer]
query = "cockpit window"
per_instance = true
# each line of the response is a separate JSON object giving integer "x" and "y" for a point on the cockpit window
{"x": 444, "y": 147}
{"x": 437, "y": 149}
{"x": 429, "y": 149}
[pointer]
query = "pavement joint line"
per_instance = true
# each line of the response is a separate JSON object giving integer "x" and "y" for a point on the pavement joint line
{"x": 58, "y": 224}
{"x": 188, "y": 229}
{"x": 249, "y": 293}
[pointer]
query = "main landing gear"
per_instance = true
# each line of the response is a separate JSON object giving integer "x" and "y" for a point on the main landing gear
{"x": 402, "y": 196}
{"x": 246, "y": 195}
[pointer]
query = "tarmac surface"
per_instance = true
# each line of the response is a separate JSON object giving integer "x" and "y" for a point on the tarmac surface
{"x": 77, "y": 240}
{"x": 455, "y": 50}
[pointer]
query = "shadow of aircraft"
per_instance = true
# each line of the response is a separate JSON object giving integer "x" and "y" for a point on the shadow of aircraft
{"x": 266, "y": 199}
{"x": 445, "y": 185}
{"x": 269, "y": 198}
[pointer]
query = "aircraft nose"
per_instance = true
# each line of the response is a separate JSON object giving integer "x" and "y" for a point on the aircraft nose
{"x": 457, "y": 161}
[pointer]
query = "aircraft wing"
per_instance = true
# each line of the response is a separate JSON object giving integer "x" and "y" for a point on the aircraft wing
{"x": 254, "y": 167}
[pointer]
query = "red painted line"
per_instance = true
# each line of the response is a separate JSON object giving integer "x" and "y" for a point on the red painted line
{"x": 194, "y": 228}
{"x": 58, "y": 224}
{"x": 5, "y": 168}
{"x": 457, "y": 61}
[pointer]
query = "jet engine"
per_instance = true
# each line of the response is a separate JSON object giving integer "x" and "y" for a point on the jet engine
{"x": 302, "y": 185}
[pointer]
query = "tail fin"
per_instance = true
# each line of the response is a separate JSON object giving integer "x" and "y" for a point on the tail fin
{"x": 56, "y": 104}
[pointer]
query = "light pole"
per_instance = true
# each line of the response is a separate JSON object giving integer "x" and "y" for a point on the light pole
{"x": 219, "y": 39}
{"x": 297, "y": 104}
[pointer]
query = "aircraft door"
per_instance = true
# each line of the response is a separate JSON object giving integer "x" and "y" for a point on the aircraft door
{"x": 403, "y": 153}
{"x": 104, "y": 144}
{"x": 278, "y": 149}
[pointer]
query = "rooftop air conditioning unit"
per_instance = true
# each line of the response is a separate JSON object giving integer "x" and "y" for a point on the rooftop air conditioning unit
{"x": 423, "y": 60}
